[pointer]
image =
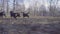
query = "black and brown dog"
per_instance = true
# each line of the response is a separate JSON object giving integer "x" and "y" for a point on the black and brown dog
{"x": 14, "y": 15}
{"x": 2, "y": 14}
{"x": 25, "y": 14}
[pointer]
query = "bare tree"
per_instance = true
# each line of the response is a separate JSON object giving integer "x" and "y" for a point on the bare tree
{"x": 14, "y": 5}
{"x": 2, "y": 5}
{"x": 53, "y": 7}
{"x": 7, "y": 7}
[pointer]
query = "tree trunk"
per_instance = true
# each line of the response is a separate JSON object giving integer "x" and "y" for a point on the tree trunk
{"x": 13, "y": 5}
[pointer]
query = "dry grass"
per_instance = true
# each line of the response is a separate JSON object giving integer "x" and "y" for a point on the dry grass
{"x": 36, "y": 17}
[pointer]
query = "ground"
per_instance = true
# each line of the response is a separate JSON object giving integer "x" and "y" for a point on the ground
{"x": 35, "y": 25}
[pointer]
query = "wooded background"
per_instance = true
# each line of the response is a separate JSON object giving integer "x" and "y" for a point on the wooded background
{"x": 36, "y": 7}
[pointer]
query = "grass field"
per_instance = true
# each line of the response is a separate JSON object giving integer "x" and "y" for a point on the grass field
{"x": 32, "y": 25}
{"x": 30, "y": 20}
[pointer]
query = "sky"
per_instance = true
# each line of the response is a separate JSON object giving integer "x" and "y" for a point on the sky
{"x": 44, "y": 2}
{"x": 28, "y": 3}
{"x": 31, "y": 2}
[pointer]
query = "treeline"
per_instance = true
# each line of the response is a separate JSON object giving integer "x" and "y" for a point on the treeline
{"x": 46, "y": 8}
